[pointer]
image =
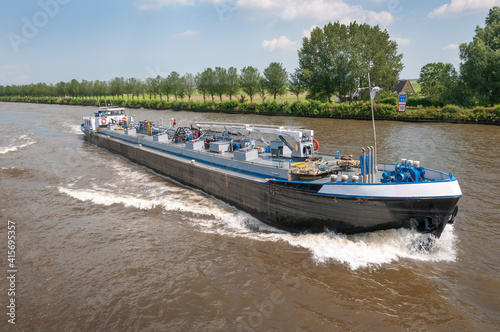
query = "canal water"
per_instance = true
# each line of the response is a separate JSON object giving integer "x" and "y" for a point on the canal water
{"x": 102, "y": 244}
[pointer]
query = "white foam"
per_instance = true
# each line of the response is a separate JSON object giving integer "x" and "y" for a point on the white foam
{"x": 107, "y": 198}
{"x": 377, "y": 248}
{"x": 25, "y": 141}
{"x": 369, "y": 250}
{"x": 71, "y": 128}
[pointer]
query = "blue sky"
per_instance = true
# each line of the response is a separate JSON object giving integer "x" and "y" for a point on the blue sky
{"x": 58, "y": 40}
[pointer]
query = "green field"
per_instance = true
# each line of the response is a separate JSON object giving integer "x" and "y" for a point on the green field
{"x": 289, "y": 97}
{"x": 416, "y": 86}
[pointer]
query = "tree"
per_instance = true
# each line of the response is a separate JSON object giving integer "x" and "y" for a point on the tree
{"x": 296, "y": 82}
{"x": 157, "y": 86}
{"x": 233, "y": 82}
{"x": 142, "y": 89}
{"x": 250, "y": 81}
{"x": 175, "y": 83}
{"x": 316, "y": 63}
{"x": 100, "y": 88}
{"x": 206, "y": 82}
{"x": 221, "y": 81}
{"x": 181, "y": 91}
{"x": 85, "y": 88}
{"x": 148, "y": 87}
{"x": 29, "y": 89}
{"x": 116, "y": 86}
{"x": 40, "y": 89}
{"x": 480, "y": 69}
{"x": 437, "y": 78}
{"x": 275, "y": 79}
{"x": 189, "y": 84}
{"x": 61, "y": 89}
{"x": 73, "y": 88}
{"x": 210, "y": 81}
{"x": 201, "y": 85}
{"x": 337, "y": 59}
{"x": 166, "y": 87}
{"x": 134, "y": 87}
{"x": 262, "y": 89}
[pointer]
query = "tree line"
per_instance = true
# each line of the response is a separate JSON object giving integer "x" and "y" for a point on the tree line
{"x": 333, "y": 61}
{"x": 217, "y": 82}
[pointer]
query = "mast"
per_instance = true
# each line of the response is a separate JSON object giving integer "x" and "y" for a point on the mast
{"x": 373, "y": 122}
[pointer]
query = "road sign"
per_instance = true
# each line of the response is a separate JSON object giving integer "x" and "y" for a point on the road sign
{"x": 402, "y": 103}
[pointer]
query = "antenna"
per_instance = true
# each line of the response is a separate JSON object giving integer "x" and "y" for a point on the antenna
{"x": 373, "y": 122}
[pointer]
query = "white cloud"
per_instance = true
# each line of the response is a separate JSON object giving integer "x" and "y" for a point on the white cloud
{"x": 281, "y": 43}
{"x": 307, "y": 33}
{"x": 316, "y": 10}
{"x": 156, "y": 4}
{"x": 290, "y": 10}
{"x": 187, "y": 33}
{"x": 15, "y": 74}
{"x": 401, "y": 41}
{"x": 458, "y": 7}
{"x": 451, "y": 47}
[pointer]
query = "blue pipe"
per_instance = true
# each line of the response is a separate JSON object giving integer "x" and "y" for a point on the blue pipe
{"x": 368, "y": 164}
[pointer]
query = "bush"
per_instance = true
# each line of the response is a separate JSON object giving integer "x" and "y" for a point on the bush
{"x": 315, "y": 108}
{"x": 482, "y": 113}
{"x": 229, "y": 105}
{"x": 389, "y": 101}
{"x": 451, "y": 111}
{"x": 383, "y": 110}
{"x": 425, "y": 102}
{"x": 297, "y": 108}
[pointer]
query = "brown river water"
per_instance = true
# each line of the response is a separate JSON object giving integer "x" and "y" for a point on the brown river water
{"x": 102, "y": 244}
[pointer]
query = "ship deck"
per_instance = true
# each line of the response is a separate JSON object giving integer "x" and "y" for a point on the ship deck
{"x": 261, "y": 169}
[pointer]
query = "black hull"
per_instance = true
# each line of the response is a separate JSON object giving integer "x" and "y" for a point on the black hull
{"x": 292, "y": 209}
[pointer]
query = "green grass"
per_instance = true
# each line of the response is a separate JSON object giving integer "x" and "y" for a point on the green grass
{"x": 416, "y": 86}
{"x": 289, "y": 97}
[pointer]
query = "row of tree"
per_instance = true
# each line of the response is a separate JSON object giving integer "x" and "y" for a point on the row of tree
{"x": 211, "y": 82}
{"x": 478, "y": 81}
{"x": 333, "y": 61}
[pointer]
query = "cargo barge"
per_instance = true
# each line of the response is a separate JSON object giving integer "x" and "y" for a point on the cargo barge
{"x": 276, "y": 174}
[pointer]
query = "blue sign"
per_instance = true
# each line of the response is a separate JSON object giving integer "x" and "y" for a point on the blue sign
{"x": 402, "y": 99}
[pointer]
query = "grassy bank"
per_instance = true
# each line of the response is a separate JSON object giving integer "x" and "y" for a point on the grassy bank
{"x": 384, "y": 110}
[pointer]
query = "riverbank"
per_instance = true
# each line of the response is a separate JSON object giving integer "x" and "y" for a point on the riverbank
{"x": 315, "y": 109}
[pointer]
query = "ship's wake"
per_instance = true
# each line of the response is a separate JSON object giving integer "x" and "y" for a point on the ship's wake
{"x": 14, "y": 144}
{"x": 145, "y": 191}
{"x": 71, "y": 128}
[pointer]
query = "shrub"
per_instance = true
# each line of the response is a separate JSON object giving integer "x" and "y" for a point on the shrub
{"x": 389, "y": 101}
{"x": 425, "y": 102}
{"x": 313, "y": 107}
{"x": 229, "y": 105}
{"x": 384, "y": 110}
{"x": 451, "y": 111}
{"x": 297, "y": 107}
